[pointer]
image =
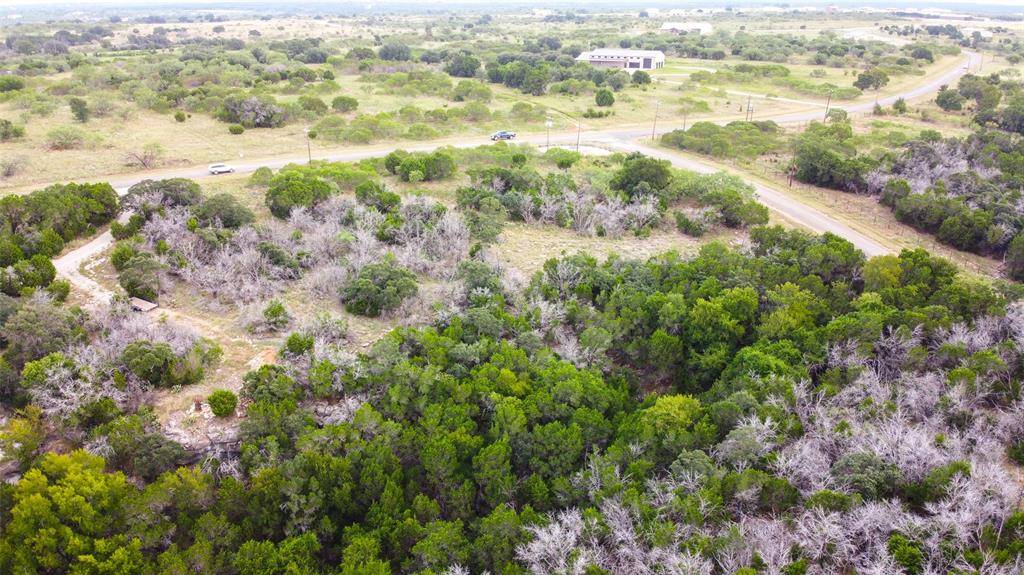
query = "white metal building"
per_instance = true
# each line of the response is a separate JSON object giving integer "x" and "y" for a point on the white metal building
{"x": 628, "y": 60}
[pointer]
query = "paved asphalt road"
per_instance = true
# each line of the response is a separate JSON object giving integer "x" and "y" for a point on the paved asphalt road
{"x": 623, "y": 139}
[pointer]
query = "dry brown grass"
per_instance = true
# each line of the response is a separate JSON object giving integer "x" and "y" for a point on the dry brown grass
{"x": 525, "y": 248}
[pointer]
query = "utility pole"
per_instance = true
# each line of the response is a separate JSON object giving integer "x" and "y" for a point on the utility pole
{"x": 827, "y": 104}
{"x": 309, "y": 149}
{"x": 684, "y": 119}
{"x": 657, "y": 108}
{"x": 547, "y": 124}
{"x": 747, "y": 115}
{"x": 579, "y": 129}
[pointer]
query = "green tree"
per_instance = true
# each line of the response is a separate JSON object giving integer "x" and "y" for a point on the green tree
{"x": 604, "y": 97}
{"x": 462, "y": 65}
{"x": 949, "y": 100}
{"x": 79, "y": 109}
{"x": 65, "y": 515}
{"x": 378, "y": 288}
{"x": 225, "y": 209}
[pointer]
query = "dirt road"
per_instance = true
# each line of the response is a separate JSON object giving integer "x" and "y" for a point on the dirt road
{"x": 622, "y": 139}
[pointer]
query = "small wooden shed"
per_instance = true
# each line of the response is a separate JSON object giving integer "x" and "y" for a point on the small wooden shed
{"x": 142, "y": 305}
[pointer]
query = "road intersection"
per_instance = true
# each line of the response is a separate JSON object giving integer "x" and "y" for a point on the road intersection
{"x": 627, "y": 139}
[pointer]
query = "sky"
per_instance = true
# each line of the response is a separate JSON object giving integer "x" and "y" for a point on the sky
{"x": 962, "y": 5}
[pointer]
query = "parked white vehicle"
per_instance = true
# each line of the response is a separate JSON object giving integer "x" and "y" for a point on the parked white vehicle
{"x": 220, "y": 169}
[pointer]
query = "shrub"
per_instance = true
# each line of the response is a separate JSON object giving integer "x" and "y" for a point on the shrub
{"x": 156, "y": 364}
{"x": 734, "y": 140}
{"x": 906, "y": 554}
{"x": 313, "y": 104}
{"x": 222, "y": 402}
{"x": 395, "y": 51}
{"x": 295, "y": 187}
{"x": 374, "y": 195}
{"x": 11, "y": 83}
{"x": 1016, "y": 452}
{"x": 172, "y": 191}
{"x": 10, "y": 130}
{"x": 79, "y": 109}
{"x": 604, "y": 98}
{"x": 378, "y": 288}
{"x": 140, "y": 277}
{"x": 562, "y": 158}
{"x": 226, "y": 209}
{"x": 12, "y": 165}
{"x": 236, "y": 129}
{"x": 297, "y": 344}
{"x": 179, "y": 116}
{"x": 640, "y": 78}
{"x": 462, "y": 65}
{"x": 949, "y": 100}
{"x": 275, "y": 316}
{"x": 867, "y": 474}
{"x": 260, "y": 177}
{"x": 344, "y": 104}
{"x": 65, "y": 138}
{"x": 690, "y": 226}
{"x": 122, "y": 253}
{"x": 252, "y": 111}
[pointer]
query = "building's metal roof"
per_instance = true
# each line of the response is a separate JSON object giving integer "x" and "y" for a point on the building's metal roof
{"x": 622, "y": 53}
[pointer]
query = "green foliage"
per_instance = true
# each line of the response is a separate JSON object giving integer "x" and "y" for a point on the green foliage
{"x": 732, "y": 199}
{"x": 225, "y": 209}
{"x": 746, "y": 140}
{"x": 140, "y": 276}
{"x": 307, "y": 185}
{"x": 236, "y": 129}
{"x": 65, "y": 138}
{"x": 171, "y": 192}
{"x": 22, "y": 435}
{"x": 906, "y": 553}
{"x": 867, "y": 475}
{"x": 222, "y": 402}
{"x": 641, "y": 175}
{"x": 825, "y": 156}
{"x": 378, "y": 288}
{"x": 374, "y": 195}
{"x": 604, "y": 98}
{"x": 873, "y": 79}
{"x": 11, "y": 83}
{"x": 252, "y": 112}
{"x": 395, "y": 51}
{"x": 37, "y": 329}
{"x": 10, "y": 131}
{"x": 275, "y": 316}
{"x": 437, "y": 165}
{"x": 462, "y": 65}
{"x": 80, "y": 507}
{"x": 158, "y": 365}
{"x": 312, "y": 104}
{"x": 138, "y": 447}
{"x": 344, "y": 104}
{"x": 79, "y": 109}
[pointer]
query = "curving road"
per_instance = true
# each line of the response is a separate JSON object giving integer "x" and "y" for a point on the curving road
{"x": 621, "y": 139}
